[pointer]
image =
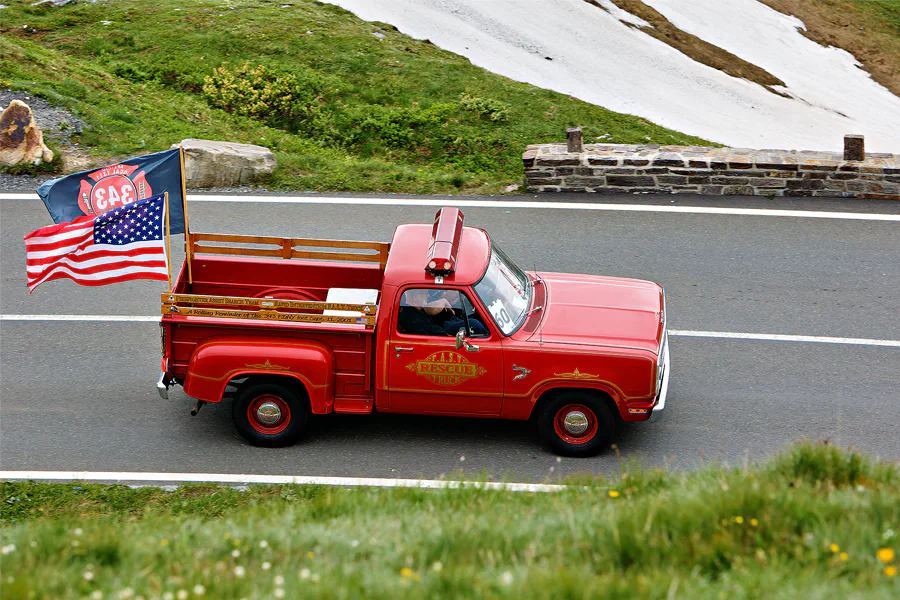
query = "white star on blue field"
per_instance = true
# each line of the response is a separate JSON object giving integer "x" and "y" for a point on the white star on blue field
{"x": 140, "y": 222}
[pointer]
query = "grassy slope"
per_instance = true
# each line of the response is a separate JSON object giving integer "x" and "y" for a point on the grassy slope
{"x": 138, "y": 82}
{"x": 777, "y": 530}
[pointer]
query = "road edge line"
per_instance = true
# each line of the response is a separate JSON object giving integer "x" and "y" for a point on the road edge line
{"x": 164, "y": 479}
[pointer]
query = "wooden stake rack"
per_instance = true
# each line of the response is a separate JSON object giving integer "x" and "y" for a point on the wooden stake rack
{"x": 345, "y": 250}
{"x": 266, "y": 309}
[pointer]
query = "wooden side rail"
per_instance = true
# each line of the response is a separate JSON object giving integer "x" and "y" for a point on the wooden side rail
{"x": 286, "y": 247}
{"x": 172, "y": 304}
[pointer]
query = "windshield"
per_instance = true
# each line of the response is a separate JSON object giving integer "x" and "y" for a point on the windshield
{"x": 506, "y": 291}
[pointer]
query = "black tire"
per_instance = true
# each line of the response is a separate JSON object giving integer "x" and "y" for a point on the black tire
{"x": 599, "y": 429}
{"x": 257, "y": 398}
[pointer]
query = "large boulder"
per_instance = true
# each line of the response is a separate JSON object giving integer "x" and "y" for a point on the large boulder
{"x": 224, "y": 164}
{"x": 21, "y": 140}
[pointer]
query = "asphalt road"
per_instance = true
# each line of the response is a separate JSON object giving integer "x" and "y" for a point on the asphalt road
{"x": 81, "y": 396}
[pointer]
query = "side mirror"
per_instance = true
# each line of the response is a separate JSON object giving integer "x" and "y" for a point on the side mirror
{"x": 460, "y": 338}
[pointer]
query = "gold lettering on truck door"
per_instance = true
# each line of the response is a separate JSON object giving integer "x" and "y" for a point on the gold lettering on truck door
{"x": 446, "y": 368}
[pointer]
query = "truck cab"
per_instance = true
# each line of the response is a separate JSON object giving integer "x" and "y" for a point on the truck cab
{"x": 444, "y": 324}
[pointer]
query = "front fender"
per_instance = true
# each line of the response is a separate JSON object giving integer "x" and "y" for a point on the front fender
{"x": 522, "y": 408}
{"x": 218, "y": 360}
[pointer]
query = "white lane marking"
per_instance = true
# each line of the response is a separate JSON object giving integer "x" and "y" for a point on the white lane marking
{"x": 175, "y": 478}
{"x": 655, "y": 208}
{"x": 768, "y": 337}
{"x": 776, "y": 337}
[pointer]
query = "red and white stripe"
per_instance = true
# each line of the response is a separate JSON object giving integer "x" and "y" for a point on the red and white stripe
{"x": 67, "y": 251}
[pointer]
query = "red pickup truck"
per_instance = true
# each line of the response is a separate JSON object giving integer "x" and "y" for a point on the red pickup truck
{"x": 439, "y": 322}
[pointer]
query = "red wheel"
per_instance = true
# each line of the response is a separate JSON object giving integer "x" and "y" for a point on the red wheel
{"x": 576, "y": 423}
{"x": 270, "y": 412}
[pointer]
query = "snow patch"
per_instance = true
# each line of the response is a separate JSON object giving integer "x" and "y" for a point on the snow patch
{"x": 598, "y": 58}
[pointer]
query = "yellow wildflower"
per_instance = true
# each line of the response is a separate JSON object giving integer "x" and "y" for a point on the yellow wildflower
{"x": 834, "y": 548}
{"x": 843, "y": 556}
{"x": 310, "y": 554}
{"x": 406, "y": 572}
{"x": 885, "y": 555}
{"x": 890, "y": 571}
{"x": 163, "y": 542}
{"x": 754, "y": 522}
{"x": 613, "y": 493}
{"x": 739, "y": 519}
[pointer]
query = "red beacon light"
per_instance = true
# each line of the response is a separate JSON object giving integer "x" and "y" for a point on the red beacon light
{"x": 444, "y": 246}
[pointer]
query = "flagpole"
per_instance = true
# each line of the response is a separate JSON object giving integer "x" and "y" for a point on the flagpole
{"x": 188, "y": 247}
{"x": 168, "y": 241}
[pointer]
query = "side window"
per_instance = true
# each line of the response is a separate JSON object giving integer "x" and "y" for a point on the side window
{"x": 437, "y": 312}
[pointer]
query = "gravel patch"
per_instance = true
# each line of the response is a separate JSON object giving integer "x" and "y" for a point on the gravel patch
{"x": 20, "y": 183}
{"x": 58, "y": 124}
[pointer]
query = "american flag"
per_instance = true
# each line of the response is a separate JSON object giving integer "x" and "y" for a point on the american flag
{"x": 123, "y": 244}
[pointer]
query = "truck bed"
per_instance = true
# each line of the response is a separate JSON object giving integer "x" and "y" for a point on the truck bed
{"x": 283, "y": 279}
{"x": 216, "y": 296}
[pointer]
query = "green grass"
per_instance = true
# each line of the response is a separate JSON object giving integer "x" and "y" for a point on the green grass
{"x": 777, "y": 530}
{"x": 364, "y": 113}
{"x": 887, "y": 11}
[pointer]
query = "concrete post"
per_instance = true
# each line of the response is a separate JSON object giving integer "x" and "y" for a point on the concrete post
{"x": 573, "y": 139}
{"x": 854, "y": 147}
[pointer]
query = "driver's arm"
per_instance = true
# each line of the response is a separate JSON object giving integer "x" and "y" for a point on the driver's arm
{"x": 436, "y": 306}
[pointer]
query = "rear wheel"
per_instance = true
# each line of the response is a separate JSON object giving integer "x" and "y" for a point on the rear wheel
{"x": 576, "y": 423}
{"x": 268, "y": 413}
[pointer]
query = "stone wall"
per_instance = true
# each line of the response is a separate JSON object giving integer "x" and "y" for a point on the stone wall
{"x": 626, "y": 168}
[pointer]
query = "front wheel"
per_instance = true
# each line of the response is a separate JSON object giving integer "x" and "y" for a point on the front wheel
{"x": 576, "y": 424}
{"x": 271, "y": 414}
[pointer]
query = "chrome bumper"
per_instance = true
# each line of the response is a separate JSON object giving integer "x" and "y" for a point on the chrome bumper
{"x": 162, "y": 386}
{"x": 657, "y": 413}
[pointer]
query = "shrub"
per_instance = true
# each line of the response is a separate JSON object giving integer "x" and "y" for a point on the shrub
{"x": 493, "y": 109}
{"x": 287, "y": 100}
{"x": 392, "y": 127}
{"x": 130, "y": 72}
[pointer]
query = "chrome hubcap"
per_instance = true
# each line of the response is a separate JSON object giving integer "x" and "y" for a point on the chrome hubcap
{"x": 576, "y": 422}
{"x": 268, "y": 413}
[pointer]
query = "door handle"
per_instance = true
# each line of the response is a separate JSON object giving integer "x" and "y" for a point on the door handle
{"x": 522, "y": 372}
{"x": 403, "y": 348}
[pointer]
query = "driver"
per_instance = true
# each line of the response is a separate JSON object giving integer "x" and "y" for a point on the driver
{"x": 425, "y": 313}
{"x": 417, "y": 315}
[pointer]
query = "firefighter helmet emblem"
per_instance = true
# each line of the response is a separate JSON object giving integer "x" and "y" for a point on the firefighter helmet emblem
{"x": 112, "y": 187}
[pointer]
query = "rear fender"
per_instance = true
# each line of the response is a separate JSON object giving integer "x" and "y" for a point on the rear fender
{"x": 218, "y": 360}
